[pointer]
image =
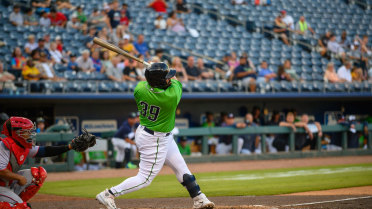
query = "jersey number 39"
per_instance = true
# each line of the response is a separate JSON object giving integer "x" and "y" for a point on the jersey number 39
{"x": 151, "y": 113}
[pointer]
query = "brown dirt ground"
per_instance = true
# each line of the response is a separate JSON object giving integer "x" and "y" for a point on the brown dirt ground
{"x": 42, "y": 201}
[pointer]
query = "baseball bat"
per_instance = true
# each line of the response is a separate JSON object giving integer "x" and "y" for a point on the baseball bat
{"x": 116, "y": 49}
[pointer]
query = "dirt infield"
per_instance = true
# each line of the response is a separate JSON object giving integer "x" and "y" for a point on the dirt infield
{"x": 357, "y": 197}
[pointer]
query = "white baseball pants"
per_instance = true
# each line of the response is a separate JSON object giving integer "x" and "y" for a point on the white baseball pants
{"x": 155, "y": 150}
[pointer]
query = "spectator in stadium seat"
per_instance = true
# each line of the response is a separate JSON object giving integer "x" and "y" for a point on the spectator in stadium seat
{"x": 323, "y": 42}
{"x": 257, "y": 117}
{"x": 334, "y": 47}
{"x": 160, "y": 23}
{"x": 288, "y": 20}
{"x": 251, "y": 142}
{"x": 224, "y": 145}
{"x": 16, "y": 17}
{"x": 265, "y": 74}
{"x": 303, "y": 27}
{"x": 106, "y": 62}
{"x": 233, "y": 60}
{"x": 46, "y": 69}
{"x": 223, "y": 70}
{"x": 127, "y": 45}
{"x": 344, "y": 41}
{"x": 85, "y": 64}
{"x": 141, "y": 45}
{"x": 282, "y": 75}
{"x": 74, "y": 22}
{"x": 184, "y": 147}
{"x": 72, "y": 64}
{"x": 281, "y": 28}
{"x": 42, "y": 47}
{"x": 246, "y": 74}
{"x": 357, "y": 74}
{"x": 124, "y": 8}
{"x": 290, "y": 71}
{"x": 30, "y": 72}
{"x": 35, "y": 56}
{"x": 80, "y": 14}
{"x": 59, "y": 43}
{"x": 97, "y": 64}
{"x": 181, "y": 7}
{"x": 57, "y": 18}
{"x": 205, "y": 73}
{"x": 31, "y": 44}
{"x": 330, "y": 75}
{"x": 114, "y": 73}
{"x": 44, "y": 20}
{"x": 4, "y": 75}
{"x": 30, "y": 18}
{"x": 56, "y": 55}
{"x": 180, "y": 70}
{"x": 18, "y": 60}
{"x": 41, "y": 5}
{"x": 40, "y": 124}
{"x": 114, "y": 15}
{"x": 98, "y": 19}
{"x": 130, "y": 73}
{"x": 141, "y": 69}
{"x": 238, "y": 2}
{"x": 124, "y": 20}
{"x": 193, "y": 72}
{"x": 103, "y": 34}
{"x": 159, "y": 6}
{"x": 174, "y": 23}
{"x": 344, "y": 72}
{"x": 64, "y": 4}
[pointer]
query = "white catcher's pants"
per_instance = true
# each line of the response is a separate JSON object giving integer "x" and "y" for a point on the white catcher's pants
{"x": 120, "y": 145}
{"x": 155, "y": 150}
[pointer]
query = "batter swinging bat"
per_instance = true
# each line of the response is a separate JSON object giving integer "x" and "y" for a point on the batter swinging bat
{"x": 116, "y": 49}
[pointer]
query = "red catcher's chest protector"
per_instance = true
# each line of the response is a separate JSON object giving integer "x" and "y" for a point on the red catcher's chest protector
{"x": 18, "y": 156}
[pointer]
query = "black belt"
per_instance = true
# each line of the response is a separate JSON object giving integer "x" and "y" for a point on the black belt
{"x": 152, "y": 132}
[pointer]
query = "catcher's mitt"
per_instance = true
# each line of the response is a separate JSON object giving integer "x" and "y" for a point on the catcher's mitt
{"x": 83, "y": 141}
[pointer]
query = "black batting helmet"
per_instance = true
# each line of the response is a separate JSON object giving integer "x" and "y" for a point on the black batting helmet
{"x": 157, "y": 75}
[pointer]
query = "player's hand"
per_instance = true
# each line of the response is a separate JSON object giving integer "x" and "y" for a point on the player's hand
{"x": 22, "y": 180}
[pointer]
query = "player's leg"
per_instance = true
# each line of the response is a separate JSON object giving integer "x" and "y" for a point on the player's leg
{"x": 153, "y": 151}
{"x": 8, "y": 196}
{"x": 35, "y": 179}
{"x": 175, "y": 160}
{"x": 119, "y": 146}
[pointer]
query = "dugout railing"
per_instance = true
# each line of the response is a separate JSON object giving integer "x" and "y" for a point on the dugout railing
{"x": 205, "y": 133}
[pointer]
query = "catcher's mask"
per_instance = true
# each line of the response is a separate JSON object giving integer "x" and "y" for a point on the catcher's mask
{"x": 157, "y": 75}
{"x": 21, "y": 130}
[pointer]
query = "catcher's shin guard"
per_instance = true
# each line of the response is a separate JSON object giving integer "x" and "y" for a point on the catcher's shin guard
{"x": 5, "y": 205}
{"x": 192, "y": 187}
{"x": 39, "y": 175}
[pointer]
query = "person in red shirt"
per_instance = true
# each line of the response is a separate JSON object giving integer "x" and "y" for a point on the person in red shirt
{"x": 159, "y": 6}
{"x": 57, "y": 18}
{"x": 124, "y": 20}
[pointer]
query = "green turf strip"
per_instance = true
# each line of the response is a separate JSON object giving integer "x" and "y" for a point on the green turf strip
{"x": 256, "y": 182}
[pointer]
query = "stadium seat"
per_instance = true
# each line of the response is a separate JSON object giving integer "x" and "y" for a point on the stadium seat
{"x": 72, "y": 87}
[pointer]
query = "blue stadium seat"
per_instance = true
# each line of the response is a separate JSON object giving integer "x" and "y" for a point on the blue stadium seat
{"x": 103, "y": 87}
{"x": 72, "y": 87}
{"x": 88, "y": 87}
{"x": 70, "y": 75}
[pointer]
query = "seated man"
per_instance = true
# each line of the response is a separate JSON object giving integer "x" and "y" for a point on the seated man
{"x": 264, "y": 73}
{"x": 334, "y": 47}
{"x": 193, "y": 72}
{"x": 246, "y": 74}
{"x": 18, "y": 186}
{"x": 124, "y": 144}
{"x": 225, "y": 142}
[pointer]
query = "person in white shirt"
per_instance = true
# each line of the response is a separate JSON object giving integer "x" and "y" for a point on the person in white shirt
{"x": 16, "y": 17}
{"x": 44, "y": 20}
{"x": 46, "y": 69}
{"x": 56, "y": 55}
{"x": 74, "y": 22}
{"x": 287, "y": 19}
{"x": 344, "y": 72}
{"x": 31, "y": 44}
{"x": 160, "y": 23}
{"x": 334, "y": 47}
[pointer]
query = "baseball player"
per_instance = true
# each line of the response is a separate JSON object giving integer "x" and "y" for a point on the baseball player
{"x": 18, "y": 186}
{"x": 123, "y": 142}
{"x": 157, "y": 100}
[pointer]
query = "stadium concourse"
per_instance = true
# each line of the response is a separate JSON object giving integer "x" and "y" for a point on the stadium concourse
{"x": 217, "y": 33}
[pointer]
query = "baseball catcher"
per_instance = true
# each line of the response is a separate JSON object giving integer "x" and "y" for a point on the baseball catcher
{"x": 18, "y": 186}
{"x": 157, "y": 100}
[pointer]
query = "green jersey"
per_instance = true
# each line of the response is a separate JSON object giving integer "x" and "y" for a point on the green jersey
{"x": 158, "y": 106}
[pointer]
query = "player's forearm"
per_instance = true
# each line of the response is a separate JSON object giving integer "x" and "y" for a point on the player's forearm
{"x": 8, "y": 175}
{"x": 50, "y": 151}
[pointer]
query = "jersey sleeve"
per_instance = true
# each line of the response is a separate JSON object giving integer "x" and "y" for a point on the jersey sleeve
{"x": 33, "y": 151}
{"x": 178, "y": 89}
{"x": 4, "y": 157}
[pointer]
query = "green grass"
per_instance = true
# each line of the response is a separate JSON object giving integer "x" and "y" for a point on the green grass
{"x": 236, "y": 183}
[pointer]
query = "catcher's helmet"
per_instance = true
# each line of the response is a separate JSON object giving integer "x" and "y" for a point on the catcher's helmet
{"x": 157, "y": 75}
{"x": 21, "y": 130}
